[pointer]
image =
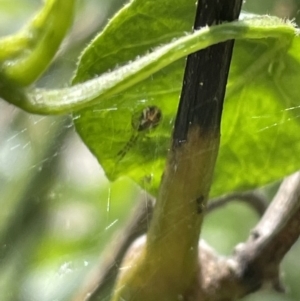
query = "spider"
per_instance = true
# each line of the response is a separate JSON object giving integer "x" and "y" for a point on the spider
{"x": 148, "y": 119}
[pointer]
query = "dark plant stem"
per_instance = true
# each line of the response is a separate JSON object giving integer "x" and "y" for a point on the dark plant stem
{"x": 179, "y": 211}
{"x": 206, "y": 74}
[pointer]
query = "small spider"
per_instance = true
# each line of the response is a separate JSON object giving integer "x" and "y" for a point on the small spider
{"x": 148, "y": 119}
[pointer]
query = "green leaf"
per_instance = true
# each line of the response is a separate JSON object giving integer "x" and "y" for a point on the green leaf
{"x": 106, "y": 129}
{"x": 26, "y": 55}
{"x": 250, "y": 154}
{"x": 260, "y": 127}
{"x": 123, "y": 95}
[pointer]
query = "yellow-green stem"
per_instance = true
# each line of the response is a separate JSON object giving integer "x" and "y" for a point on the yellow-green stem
{"x": 165, "y": 268}
{"x": 179, "y": 211}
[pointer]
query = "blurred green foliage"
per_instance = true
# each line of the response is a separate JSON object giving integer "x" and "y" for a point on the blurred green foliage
{"x": 58, "y": 209}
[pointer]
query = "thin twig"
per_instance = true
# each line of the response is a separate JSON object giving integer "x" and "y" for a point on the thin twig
{"x": 255, "y": 262}
{"x": 252, "y": 198}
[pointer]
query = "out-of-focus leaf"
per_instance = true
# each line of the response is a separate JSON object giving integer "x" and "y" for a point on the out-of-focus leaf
{"x": 25, "y": 56}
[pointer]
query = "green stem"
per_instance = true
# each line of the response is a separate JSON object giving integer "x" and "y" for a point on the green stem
{"x": 77, "y": 97}
{"x": 180, "y": 204}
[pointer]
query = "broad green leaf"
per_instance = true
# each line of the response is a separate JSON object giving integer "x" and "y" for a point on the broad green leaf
{"x": 25, "y": 56}
{"x": 123, "y": 95}
{"x": 106, "y": 129}
{"x": 257, "y": 123}
{"x": 260, "y": 128}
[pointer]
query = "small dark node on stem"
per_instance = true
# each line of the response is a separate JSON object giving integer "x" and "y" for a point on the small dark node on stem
{"x": 200, "y": 204}
{"x": 254, "y": 234}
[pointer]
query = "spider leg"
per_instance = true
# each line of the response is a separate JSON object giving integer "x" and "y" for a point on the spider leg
{"x": 121, "y": 154}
